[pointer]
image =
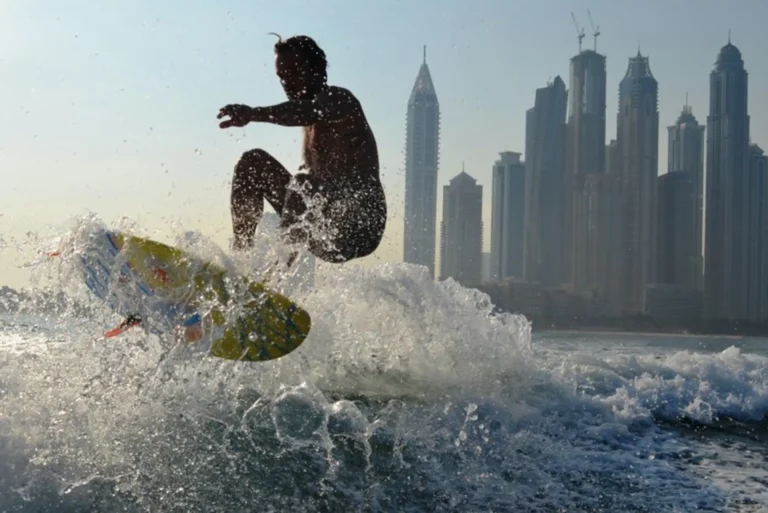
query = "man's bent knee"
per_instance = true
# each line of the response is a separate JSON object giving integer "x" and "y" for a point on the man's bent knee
{"x": 253, "y": 158}
{"x": 258, "y": 168}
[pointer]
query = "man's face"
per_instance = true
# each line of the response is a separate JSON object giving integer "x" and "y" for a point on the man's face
{"x": 295, "y": 75}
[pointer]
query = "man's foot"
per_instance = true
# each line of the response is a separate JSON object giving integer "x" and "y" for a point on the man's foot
{"x": 282, "y": 268}
{"x": 291, "y": 259}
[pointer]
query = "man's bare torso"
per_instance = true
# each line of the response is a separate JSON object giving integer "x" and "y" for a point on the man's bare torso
{"x": 342, "y": 150}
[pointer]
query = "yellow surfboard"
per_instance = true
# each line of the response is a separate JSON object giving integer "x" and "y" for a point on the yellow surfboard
{"x": 159, "y": 287}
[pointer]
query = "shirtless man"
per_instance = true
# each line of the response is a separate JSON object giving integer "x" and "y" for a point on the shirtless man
{"x": 337, "y": 208}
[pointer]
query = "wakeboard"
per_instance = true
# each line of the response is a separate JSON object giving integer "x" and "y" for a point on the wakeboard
{"x": 160, "y": 288}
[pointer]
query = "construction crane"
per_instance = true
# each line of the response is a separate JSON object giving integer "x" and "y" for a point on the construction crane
{"x": 595, "y": 31}
{"x": 579, "y": 32}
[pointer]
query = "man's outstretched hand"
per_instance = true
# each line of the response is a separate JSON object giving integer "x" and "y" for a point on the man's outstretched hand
{"x": 239, "y": 115}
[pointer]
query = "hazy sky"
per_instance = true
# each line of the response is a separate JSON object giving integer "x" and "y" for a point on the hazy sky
{"x": 110, "y": 107}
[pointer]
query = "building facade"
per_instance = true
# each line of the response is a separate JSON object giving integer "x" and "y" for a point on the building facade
{"x": 637, "y": 140}
{"x": 726, "y": 247}
{"x": 685, "y": 154}
{"x": 757, "y": 287}
{"x": 461, "y": 241}
{"x": 545, "y": 173}
{"x": 677, "y": 255}
{"x": 584, "y": 165}
{"x": 507, "y": 216}
{"x": 610, "y": 257}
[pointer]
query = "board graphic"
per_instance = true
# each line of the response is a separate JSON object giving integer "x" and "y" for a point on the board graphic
{"x": 161, "y": 288}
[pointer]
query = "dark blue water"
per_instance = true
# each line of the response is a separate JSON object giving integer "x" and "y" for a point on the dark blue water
{"x": 408, "y": 395}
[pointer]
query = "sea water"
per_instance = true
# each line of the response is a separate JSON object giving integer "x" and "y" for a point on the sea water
{"x": 408, "y": 395}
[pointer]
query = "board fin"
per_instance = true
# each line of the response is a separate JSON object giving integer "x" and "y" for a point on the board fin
{"x": 128, "y": 323}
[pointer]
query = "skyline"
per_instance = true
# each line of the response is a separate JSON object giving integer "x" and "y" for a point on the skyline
{"x": 141, "y": 133}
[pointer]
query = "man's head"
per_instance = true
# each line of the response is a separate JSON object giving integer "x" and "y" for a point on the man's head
{"x": 301, "y": 66}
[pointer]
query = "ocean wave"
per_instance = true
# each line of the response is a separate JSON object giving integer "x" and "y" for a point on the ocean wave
{"x": 701, "y": 387}
{"x": 408, "y": 394}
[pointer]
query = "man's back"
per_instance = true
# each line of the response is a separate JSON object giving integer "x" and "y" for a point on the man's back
{"x": 345, "y": 148}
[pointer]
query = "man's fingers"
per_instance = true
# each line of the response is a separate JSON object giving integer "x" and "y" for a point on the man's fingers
{"x": 225, "y": 111}
{"x": 235, "y": 115}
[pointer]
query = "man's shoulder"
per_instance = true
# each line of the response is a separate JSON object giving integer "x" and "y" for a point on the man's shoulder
{"x": 339, "y": 93}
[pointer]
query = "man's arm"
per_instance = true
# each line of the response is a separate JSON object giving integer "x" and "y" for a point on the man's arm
{"x": 330, "y": 105}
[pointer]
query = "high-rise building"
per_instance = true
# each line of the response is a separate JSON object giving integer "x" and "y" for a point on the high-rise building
{"x": 610, "y": 259}
{"x": 461, "y": 241}
{"x": 726, "y": 247}
{"x": 507, "y": 216}
{"x": 584, "y": 166}
{"x": 686, "y": 154}
{"x": 421, "y": 163}
{"x": 757, "y": 288}
{"x": 638, "y": 146}
{"x": 486, "y": 267}
{"x": 677, "y": 255}
{"x": 545, "y": 172}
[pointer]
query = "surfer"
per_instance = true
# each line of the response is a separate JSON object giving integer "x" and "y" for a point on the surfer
{"x": 337, "y": 208}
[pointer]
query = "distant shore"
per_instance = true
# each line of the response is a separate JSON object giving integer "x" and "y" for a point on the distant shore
{"x": 644, "y": 325}
{"x": 613, "y": 332}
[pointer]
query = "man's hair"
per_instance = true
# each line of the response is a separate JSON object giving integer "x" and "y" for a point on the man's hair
{"x": 307, "y": 49}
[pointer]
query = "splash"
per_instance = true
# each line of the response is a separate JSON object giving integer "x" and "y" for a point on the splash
{"x": 408, "y": 393}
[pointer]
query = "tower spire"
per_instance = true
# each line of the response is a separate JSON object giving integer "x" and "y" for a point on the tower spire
{"x": 425, "y": 54}
{"x": 729, "y": 36}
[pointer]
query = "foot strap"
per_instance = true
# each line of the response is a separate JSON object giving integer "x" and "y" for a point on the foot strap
{"x": 128, "y": 323}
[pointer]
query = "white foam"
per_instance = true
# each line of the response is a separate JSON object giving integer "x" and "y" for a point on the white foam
{"x": 460, "y": 400}
{"x": 701, "y": 386}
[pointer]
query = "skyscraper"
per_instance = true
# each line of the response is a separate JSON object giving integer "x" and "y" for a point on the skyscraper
{"x": 727, "y": 204}
{"x": 507, "y": 216}
{"x": 610, "y": 257}
{"x": 421, "y": 163}
{"x": 545, "y": 172}
{"x": 461, "y": 241}
{"x": 757, "y": 287}
{"x": 685, "y": 152}
{"x": 584, "y": 167}
{"x": 638, "y": 146}
{"x": 677, "y": 255}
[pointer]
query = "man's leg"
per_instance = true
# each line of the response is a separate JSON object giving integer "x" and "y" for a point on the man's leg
{"x": 258, "y": 176}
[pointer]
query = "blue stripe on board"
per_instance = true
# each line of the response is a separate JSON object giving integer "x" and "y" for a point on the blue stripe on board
{"x": 94, "y": 279}
{"x": 126, "y": 268}
{"x": 112, "y": 243}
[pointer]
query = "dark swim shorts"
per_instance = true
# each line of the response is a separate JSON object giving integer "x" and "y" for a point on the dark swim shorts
{"x": 338, "y": 221}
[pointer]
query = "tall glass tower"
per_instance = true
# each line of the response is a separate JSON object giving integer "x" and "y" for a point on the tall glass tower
{"x": 422, "y": 145}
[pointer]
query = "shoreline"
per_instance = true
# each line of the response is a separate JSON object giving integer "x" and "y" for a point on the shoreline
{"x": 613, "y": 332}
